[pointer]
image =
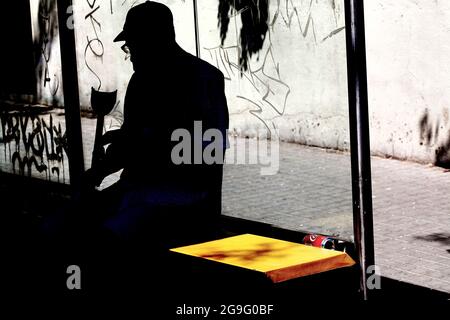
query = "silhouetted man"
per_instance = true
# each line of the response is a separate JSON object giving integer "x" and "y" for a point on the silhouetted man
{"x": 170, "y": 89}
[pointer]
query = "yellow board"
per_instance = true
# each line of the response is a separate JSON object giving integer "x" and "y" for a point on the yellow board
{"x": 279, "y": 260}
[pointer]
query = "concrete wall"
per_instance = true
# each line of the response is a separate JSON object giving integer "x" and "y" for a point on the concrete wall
{"x": 45, "y": 35}
{"x": 297, "y": 82}
{"x": 409, "y": 84}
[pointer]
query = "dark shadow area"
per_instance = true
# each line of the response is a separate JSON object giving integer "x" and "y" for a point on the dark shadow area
{"x": 17, "y": 54}
{"x": 443, "y": 238}
{"x": 443, "y": 155}
{"x": 24, "y": 109}
{"x": 248, "y": 255}
{"x": 429, "y": 133}
{"x": 255, "y": 24}
{"x": 138, "y": 274}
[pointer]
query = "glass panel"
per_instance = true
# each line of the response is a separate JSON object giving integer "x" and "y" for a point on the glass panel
{"x": 32, "y": 136}
{"x": 33, "y": 127}
{"x": 285, "y": 68}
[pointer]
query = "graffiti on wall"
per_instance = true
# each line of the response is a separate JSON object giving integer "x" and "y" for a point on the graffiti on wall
{"x": 256, "y": 37}
{"x": 34, "y": 142}
{"x": 94, "y": 47}
{"x": 47, "y": 22}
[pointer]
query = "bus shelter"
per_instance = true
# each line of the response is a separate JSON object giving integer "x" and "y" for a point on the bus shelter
{"x": 295, "y": 74}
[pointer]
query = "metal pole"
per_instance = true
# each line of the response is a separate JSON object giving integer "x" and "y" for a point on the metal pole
{"x": 359, "y": 139}
{"x": 197, "y": 37}
{"x": 71, "y": 94}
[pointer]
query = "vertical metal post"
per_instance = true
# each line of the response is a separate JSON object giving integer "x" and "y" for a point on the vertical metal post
{"x": 359, "y": 139}
{"x": 197, "y": 37}
{"x": 71, "y": 94}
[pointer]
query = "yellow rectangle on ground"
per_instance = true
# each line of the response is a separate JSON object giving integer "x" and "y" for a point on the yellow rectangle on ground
{"x": 279, "y": 260}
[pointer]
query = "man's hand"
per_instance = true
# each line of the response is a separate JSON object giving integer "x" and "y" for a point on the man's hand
{"x": 92, "y": 178}
{"x": 110, "y": 136}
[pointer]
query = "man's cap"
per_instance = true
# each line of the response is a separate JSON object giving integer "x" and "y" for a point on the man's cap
{"x": 147, "y": 19}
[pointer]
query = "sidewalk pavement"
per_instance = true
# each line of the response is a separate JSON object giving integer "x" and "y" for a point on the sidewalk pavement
{"x": 312, "y": 192}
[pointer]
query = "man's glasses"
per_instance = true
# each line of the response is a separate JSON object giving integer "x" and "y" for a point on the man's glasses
{"x": 126, "y": 49}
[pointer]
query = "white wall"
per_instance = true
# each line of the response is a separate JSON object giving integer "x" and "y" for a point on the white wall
{"x": 298, "y": 85}
{"x": 408, "y": 56}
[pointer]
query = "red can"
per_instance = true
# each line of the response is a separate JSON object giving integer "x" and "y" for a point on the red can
{"x": 318, "y": 241}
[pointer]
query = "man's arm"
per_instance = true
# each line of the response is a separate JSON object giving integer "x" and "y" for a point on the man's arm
{"x": 107, "y": 162}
